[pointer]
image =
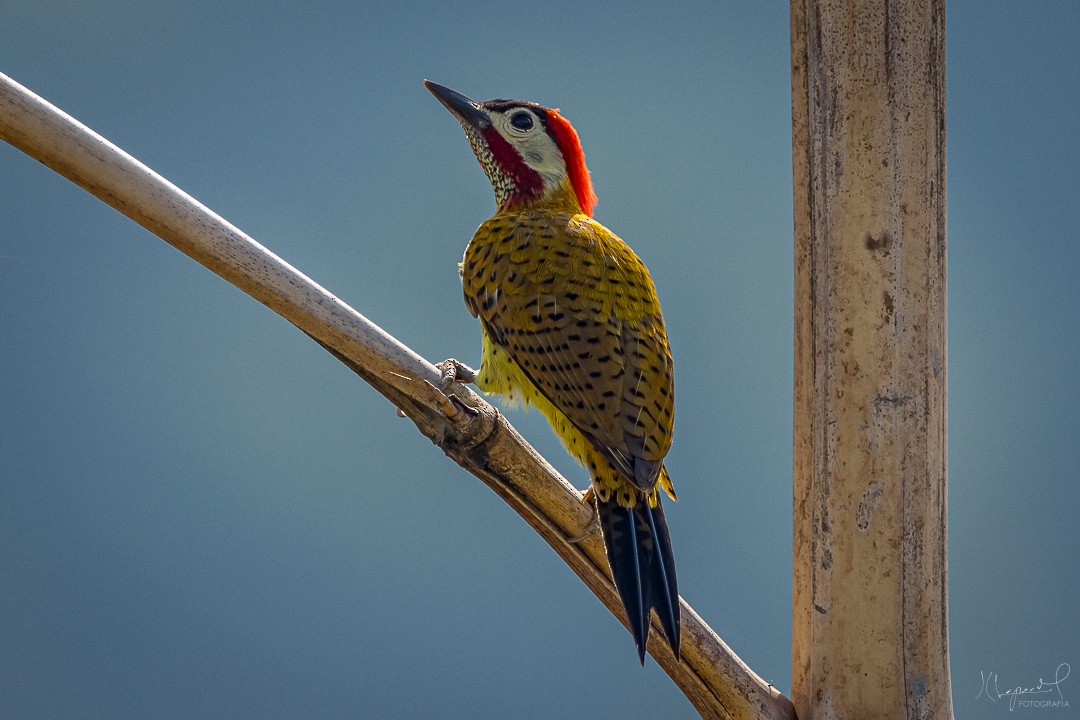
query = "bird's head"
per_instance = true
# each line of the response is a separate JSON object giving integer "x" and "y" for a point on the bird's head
{"x": 530, "y": 153}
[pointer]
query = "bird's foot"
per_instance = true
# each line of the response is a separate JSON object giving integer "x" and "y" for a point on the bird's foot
{"x": 594, "y": 519}
{"x": 462, "y": 426}
{"x": 451, "y": 371}
{"x": 454, "y": 371}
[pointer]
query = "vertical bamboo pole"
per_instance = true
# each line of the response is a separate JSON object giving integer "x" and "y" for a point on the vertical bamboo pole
{"x": 870, "y": 633}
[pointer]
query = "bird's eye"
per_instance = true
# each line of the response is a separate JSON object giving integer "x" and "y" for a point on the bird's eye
{"x": 521, "y": 121}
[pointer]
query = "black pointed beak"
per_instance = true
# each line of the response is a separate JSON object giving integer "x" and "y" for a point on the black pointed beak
{"x": 467, "y": 111}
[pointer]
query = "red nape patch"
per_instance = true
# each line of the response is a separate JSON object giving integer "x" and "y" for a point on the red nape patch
{"x": 566, "y": 138}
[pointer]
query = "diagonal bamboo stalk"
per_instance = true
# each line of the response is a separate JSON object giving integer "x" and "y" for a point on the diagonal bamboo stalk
{"x": 712, "y": 677}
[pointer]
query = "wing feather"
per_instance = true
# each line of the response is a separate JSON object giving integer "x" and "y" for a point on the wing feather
{"x": 577, "y": 311}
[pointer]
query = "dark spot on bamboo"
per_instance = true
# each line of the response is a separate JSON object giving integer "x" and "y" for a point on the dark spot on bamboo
{"x": 883, "y": 241}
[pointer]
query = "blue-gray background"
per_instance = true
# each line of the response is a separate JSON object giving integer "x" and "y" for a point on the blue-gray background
{"x": 202, "y": 514}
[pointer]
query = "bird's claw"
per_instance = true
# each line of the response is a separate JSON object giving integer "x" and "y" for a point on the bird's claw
{"x": 594, "y": 519}
{"x": 451, "y": 371}
{"x": 451, "y": 404}
{"x": 454, "y": 371}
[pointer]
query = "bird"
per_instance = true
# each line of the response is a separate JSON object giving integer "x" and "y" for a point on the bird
{"x": 571, "y": 325}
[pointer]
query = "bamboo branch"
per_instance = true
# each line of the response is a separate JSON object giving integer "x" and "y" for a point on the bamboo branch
{"x": 469, "y": 430}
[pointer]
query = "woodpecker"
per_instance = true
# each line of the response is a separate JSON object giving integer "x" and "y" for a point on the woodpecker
{"x": 571, "y": 325}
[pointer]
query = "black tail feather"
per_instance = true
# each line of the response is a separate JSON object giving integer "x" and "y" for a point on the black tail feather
{"x": 664, "y": 586}
{"x": 642, "y": 564}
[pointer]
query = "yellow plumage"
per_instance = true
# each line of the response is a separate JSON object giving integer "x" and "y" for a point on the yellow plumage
{"x": 571, "y": 325}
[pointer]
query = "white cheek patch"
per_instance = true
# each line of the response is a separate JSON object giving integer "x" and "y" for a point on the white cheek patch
{"x": 543, "y": 155}
{"x": 536, "y": 147}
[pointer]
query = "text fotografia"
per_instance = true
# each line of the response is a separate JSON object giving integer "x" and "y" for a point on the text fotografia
{"x": 1045, "y": 694}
